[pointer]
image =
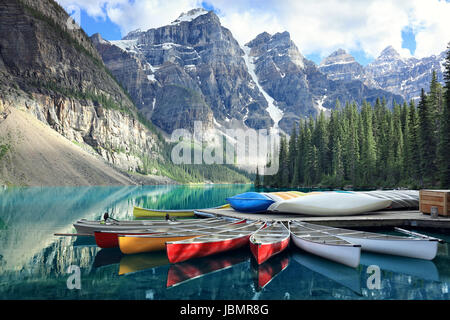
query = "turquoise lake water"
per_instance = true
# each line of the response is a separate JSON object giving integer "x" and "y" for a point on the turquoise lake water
{"x": 34, "y": 263}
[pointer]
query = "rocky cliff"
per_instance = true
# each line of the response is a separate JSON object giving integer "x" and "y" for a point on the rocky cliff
{"x": 190, "y": 70}
{"x": 297, "y": 85}
{"x": 50, "y": 69}
{"x": 193, "y": 69}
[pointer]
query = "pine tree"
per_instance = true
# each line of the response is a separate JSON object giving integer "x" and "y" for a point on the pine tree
{"x": 398, "y": 147}
{"x": 351, "y": 145}
{"x": 368, "y": 148}
{"x": 292, "y": 152}
{"x": 406, "y": 171}
{"x": 413, "y": 143}
{"x": 426, "y": 141}
{"x": 301, "y": 153}
{"x": 320, "y": 140}
{"x": 444, "y": 144}
{"x": 283, "y": 171}
{"x": 435, "y": 102}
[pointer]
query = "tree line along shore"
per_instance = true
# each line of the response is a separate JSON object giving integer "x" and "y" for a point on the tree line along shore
{"x": 371, "y": 145}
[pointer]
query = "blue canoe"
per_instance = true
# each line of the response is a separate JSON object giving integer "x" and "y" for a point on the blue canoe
{"x": 250, "y": 202}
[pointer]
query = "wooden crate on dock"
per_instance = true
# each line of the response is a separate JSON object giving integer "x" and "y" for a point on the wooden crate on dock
{"x": 435, "y": 198}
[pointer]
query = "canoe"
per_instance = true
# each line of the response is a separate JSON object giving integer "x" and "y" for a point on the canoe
{"x": 130, "y": 222}
{"x": 400, "y": 198}
{"x": 250, "y": 202}
{"x": 130, "y": 244}
{"x": 325, "y": 245}
{"x": 178, "y": 251}
{"x": 253, "y": 202}
{"x": 89, "y": 227}
{"x": 413, "y": 247}
{"x": 269, "y": 241}
{"x": 109, "y": 238}
{"x": 330, "y": 204}
{"x": 139, "y": 212}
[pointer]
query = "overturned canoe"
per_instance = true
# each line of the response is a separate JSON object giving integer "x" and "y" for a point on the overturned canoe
{"x": 178, "y": 251}
{"x": 130, "y": 243}
{"x": 325, "y": 245}
{"x": 254, "y": 202}
{"x": 413, "y": 247}
{"x": 330, "y": 204}
{"x": 139, "y": 212}
{"x": 400, "y": 198}
{"x": 269, "y": 241}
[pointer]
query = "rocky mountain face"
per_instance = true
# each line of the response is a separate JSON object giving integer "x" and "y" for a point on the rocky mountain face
{"x": 390, "y": 71}
{"x": 52, "y": 70}
{"x": 297, "y": 85}
{"x": 191, "y": 70}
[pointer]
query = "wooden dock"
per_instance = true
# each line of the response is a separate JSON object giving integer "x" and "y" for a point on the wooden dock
{"x": 387, "y": 218}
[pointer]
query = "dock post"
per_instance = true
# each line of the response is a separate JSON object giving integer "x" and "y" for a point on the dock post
{"x": 434, "y": 212}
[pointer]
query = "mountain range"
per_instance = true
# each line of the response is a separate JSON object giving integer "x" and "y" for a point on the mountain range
{"x": 115, "y": 102}
{"x": 194, "y": 69}
{"x": 405, "y": 76}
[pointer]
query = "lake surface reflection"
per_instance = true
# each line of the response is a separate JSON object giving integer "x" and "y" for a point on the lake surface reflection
{"x": 34, "y": 263}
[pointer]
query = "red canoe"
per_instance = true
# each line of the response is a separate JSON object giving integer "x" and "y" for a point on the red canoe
{"x": 109, "y": 239}
{"x": 230, "y": 239}
{"x": 269, "y": 241}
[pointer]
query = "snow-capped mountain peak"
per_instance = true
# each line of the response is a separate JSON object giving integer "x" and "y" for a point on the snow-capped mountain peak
{"x": 190, "y": 15}
{"x": 339, "y": 56}
{"x": 389, "y": 53}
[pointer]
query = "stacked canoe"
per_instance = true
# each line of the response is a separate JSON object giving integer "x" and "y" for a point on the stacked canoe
{"x": 328, "y": 203}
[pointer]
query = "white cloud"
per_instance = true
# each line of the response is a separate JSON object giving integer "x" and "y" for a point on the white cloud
{"x": 431, "y": 19}
{"x": 317, "y": 27}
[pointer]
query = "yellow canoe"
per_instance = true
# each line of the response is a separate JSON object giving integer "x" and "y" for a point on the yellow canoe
{"x": 139, "y": 212}
{"x": 137, "y": 244}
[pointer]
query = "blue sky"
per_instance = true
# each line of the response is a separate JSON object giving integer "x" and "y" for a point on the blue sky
{"x": 362, "y": 28}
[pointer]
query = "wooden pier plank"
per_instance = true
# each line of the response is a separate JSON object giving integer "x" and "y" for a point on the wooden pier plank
{"x": 386, "y": 218}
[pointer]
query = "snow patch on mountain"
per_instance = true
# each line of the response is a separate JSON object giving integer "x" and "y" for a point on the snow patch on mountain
{"x": 190, "y": 15}
{"x": 319, "y": 105}
{"x": 126, "y": 45}
{"x": 275, "y": 113}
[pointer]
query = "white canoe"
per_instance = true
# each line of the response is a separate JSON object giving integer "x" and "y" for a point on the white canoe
{"x": 331, "y": 204}
{"x": 139, "y": 222}
{"x": 88, "y": 228}
{"x": 413, "y": 247}
{"x": 400, "y": 198}
{"x": 325, "y": 245}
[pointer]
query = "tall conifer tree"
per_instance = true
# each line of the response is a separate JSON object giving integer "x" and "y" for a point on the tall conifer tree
{"x": 444, "y": 144}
